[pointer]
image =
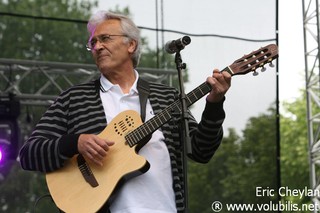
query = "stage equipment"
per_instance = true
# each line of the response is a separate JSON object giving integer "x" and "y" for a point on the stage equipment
{"x": 9, "y": 131}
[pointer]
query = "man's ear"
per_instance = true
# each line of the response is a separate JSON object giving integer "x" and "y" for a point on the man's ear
{"x": 132, "y": 46}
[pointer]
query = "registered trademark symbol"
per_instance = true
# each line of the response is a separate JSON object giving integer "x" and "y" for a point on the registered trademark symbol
{"x": 216, "y": 206}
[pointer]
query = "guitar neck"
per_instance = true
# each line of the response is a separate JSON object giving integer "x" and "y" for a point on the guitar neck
{"x": 165, "y": 115}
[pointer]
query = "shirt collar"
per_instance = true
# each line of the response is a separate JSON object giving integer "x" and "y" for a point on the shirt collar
{"x": 107, "y": 85}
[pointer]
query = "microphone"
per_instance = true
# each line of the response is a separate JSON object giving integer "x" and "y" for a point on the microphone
{"x": 177, "y": 45}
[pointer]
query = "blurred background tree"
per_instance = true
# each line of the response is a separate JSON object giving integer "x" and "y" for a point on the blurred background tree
{"x": 244, "y": 162}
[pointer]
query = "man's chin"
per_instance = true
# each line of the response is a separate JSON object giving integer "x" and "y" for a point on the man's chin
{"x": 103, "y": 67}
{"x": 102, "y": 63}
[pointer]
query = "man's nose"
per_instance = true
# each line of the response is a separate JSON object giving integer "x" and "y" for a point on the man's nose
{"x": 98, "y": 45}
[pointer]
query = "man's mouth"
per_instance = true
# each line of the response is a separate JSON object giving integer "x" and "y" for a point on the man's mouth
{"x": 102, "y": 57}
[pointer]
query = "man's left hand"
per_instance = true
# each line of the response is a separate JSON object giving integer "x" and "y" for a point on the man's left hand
{"x": 220, "y": 83}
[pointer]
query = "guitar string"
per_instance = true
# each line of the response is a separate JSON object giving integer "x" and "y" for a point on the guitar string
{"x": 139, "y": 133}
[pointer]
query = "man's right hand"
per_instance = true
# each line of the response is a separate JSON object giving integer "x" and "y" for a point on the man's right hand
{"x": 93, "y": 148}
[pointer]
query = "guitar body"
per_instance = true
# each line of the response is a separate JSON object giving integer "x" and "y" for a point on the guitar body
{"x": 68, "y": 187}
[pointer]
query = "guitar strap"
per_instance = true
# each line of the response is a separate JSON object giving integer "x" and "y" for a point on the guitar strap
{"x": 143, "y": 89}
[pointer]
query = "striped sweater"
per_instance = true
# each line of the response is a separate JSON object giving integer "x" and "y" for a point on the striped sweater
{"x": 79, "y": 110}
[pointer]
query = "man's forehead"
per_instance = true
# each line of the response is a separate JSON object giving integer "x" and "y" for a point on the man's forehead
{"x": 110, "y": 26}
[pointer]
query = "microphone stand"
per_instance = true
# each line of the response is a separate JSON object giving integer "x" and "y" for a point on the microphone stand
{"x": 186, "y": 141}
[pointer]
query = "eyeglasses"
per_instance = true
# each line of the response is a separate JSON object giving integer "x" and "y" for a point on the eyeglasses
{"x": 105, "y": 38}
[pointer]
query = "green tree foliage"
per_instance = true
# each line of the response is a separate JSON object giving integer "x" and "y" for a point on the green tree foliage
{"x": 294, "y": 148}
{"x": 44, "y": 31}
{"x": 45, "y": 39}
{"x": 255, "y": 164}
{"x": 243, "y": 163}
{"x": 239, "y": 166}
{"x": 205, "y": 180}
{"x": 294, "y": 144}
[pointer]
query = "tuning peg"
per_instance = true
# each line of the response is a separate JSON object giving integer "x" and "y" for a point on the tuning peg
{"x": 271, "y": 64}
{"x": 263, "y": 69}
{"x": 255, "y": 73}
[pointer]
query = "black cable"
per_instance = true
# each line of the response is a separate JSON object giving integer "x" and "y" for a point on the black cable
{"x": 140, "y": 27}
{"x": 39, "y": 199}
{"x": 43, "y": 17}
{"x": 211, "y": 35}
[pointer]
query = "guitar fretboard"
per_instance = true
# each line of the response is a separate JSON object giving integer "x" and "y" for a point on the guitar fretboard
{"x": 165, "y": 115}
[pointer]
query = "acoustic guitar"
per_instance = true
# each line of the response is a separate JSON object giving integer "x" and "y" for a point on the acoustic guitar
{"x": 81, "y": 186}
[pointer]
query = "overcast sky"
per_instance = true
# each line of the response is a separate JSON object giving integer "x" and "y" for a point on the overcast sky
{"x": 251, "y": 19}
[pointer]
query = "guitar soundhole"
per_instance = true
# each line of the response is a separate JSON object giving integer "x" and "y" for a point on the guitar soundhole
{"x": 123, "y": 126}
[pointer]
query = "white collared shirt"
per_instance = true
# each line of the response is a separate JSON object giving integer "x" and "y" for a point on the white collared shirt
{"x": 152, "y": 191}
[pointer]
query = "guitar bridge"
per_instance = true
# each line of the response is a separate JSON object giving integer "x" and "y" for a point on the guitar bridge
{"x": 86, "y": 171}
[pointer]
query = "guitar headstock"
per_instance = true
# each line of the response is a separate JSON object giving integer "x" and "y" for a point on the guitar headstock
{"x": 253, "y": 61}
